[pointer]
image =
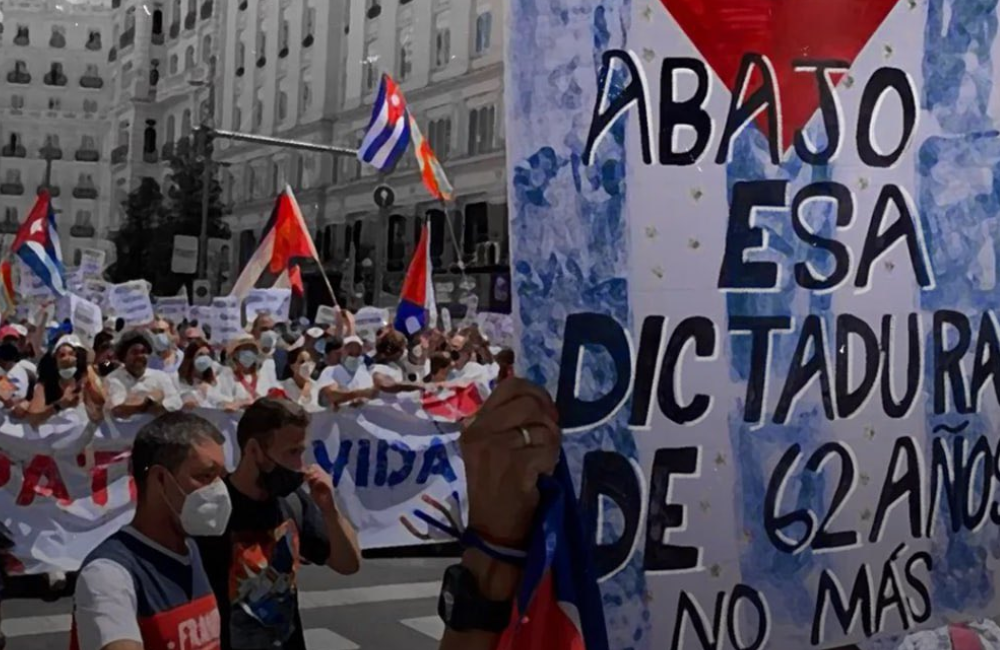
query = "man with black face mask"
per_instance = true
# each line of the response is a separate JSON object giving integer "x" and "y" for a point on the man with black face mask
{"x": 275, "y": 525}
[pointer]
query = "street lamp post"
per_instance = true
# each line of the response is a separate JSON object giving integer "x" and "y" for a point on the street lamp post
{"x": 207, "y": 119}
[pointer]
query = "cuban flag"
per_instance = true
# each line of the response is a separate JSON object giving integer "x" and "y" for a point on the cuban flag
{"x": 417, "y": 308}
{"x": 388, "y": 133}
{"x": 37, "y": 244}
{"x": 558, "y": 606}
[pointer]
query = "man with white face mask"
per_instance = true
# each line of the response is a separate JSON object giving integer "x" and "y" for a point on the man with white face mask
{"x": 166, "y": 356}
{"x": 146, "y": 586}
{"x": 272, "y": 357}
{"x": 349, "y": 381}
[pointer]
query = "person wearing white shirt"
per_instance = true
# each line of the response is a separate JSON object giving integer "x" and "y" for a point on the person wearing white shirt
{"x": 267, "y": 338}
{"x": 15, "y": 374}
{"x": 299, "y": 386}
{"x": 166, "y": 356}
{"x": 135, "y": 387}
{"x": 200, "y": 382}
{"x": 346, "y": 382}
{"x": 249, "y": 384}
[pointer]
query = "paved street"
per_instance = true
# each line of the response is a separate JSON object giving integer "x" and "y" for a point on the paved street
{"x": 389, "y": 605}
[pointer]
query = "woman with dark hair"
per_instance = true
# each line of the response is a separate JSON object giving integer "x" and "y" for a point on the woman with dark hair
{"x": 199, "y": 381}
{"x": 298, "y": 383}
{"x": 65, "y": 381}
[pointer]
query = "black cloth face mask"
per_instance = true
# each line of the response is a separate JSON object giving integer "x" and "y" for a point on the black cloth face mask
{"x": 280, "y": 481}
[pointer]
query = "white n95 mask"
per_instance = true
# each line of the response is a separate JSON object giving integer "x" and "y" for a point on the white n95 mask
{"x": 206, "y": 511}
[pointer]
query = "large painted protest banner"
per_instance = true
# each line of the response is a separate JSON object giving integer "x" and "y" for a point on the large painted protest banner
{"x": 65, "y": 486}
{"x": 754, "y": 251}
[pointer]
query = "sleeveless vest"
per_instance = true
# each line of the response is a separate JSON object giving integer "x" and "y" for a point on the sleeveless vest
{"x": 176, "y": 609}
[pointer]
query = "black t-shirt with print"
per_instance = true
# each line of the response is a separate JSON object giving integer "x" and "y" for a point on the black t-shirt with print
{"x": 253, "y": 567}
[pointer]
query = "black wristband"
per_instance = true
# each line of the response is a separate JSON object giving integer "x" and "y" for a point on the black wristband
{"x": 463, "y": 608}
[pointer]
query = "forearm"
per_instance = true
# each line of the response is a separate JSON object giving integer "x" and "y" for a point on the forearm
{"x": 345, "y": 551}
{"x": 496, "y": 581}
{"x": 125, "y": 411}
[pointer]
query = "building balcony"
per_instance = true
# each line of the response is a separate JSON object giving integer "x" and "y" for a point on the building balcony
{"x": 14, "y": 152}
{"x": 157, "y": 39}
{"x": 84, "y": 192}
{"x": 13, "y": 188}
{"x": 374, "y": 11}
{"x": 22, "y": 41}
{"x": 119, "y": 155}
{"x": 190, "y": 20}
{"x": 127, "y": 38}
{"x": 243, "y": 5}
{"x": 54, "y": 190}
{"x": 18, "y": 77}
{"x": 94, "y": 45}
{"x": 112, "y": 54}
{"x": 115, "y": 4}
{"x": 175, "y": 30}
{"x": 308, "y": 40}
{"x": 50, "y": 153}
{"x": 150, "y": 157}
{"x": 206, "y": 10}
{"x": 82, "y": 230}
{"x": 87, "y": 81}
{"x": 51, "y": 79}
{"x": 261, "y": 62}
{"x": 87, "y": 155}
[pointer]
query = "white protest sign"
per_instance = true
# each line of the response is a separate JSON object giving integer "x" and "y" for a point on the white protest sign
{"x": 74, "y": 280}
{"x": 226, "y": 322}
{"x": 326, "y": 315}
{"x": 368, "y": 321}
{"x": 92, "y": 261}
{"x": 96, "y": 292}
{"x": 202, "y": 314}
{"x": 130, "y": 301}
{"x": 85, "y": 316}
{"x": 185, "y": 258}
{"x": 276, "y": 302}
{"x": 446, "y": 320}
{"x": 173, "y": 308}
{"x": 771, "y": 312}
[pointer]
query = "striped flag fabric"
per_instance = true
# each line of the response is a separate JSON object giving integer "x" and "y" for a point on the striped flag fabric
{"x": 559, "y": 605}
{"x": 37, "y": 244}
{"x": 388, "y": 134}
{"x": 431, "y": 171}
{"x": 285, "y": 239}
{"x": 7, "y": 300}
{"x": 417, "y": 308}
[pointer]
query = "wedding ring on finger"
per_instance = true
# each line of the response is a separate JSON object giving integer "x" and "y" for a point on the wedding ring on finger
{"x": 526, "y": 435}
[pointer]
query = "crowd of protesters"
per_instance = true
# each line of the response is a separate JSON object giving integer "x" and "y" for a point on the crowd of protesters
{"x": 198, "y": 527}
{"x": 166, "y": 366}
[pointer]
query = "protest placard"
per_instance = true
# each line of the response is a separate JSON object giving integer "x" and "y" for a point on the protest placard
{"x": 130, "y": 301}
{"x": 85, "y": 316}
{"x": 173, "y": 308}
{"x": 92, "y": 261}
{"x": 96, "y": 292}
{"x": 754, "y": 257}
{"x": 368, "y": 321}
{"x": 326, "y": 315}
{"x": 275, "y": 302}
{"x": 225, "y": 319}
